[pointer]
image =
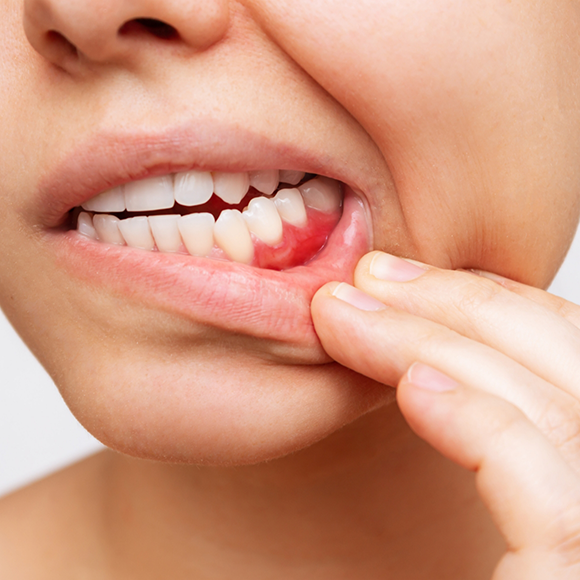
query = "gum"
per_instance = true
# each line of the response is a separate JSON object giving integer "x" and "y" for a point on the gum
{"x": 299, "y": 245}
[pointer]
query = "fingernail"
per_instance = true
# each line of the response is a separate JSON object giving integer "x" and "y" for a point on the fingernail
{"x": 426, "y": 377}
{"x": 356, "y": 298}
{"x": 392, "y": 269}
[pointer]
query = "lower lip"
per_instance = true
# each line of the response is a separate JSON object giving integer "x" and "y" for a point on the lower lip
{"x": 234, "y": 297}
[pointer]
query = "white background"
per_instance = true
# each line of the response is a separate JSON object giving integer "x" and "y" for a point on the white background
{"x": 37, "y": 432}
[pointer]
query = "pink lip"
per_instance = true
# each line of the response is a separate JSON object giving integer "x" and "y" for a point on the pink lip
{"x": 108, "y": 160}
{"x": 234, "y": 297}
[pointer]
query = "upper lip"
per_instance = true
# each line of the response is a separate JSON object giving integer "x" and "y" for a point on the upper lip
{"x": 108, "y": 159}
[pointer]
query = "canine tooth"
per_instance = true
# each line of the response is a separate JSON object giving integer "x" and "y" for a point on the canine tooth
{"x": 265, "y": 181}
{"x": 137, "y": 233}
{"x": 165, "y": 232}
{"x": 233, "y": 237}
{"x": 111, "y": 200}
{"x": 107, "y": 227}
{"x": 290, "y": 206}
{"x": 197, "y": 233}
{"x": 322, "y": 193}
{"x": 193, "y": 187}
{"x": 85, "y": 226}
{"x": 231, "y": 187}
{"x": 264, "y": 220}
{"x": 149, "y": 194}
{"x": 291, "y": 176}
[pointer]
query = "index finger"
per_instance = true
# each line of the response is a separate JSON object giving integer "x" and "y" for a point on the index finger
{"x": 524, "y": 331}
{"x": 558, "y": 305}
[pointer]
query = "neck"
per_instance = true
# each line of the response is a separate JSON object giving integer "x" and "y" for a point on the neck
{"x": 370, "y": 501}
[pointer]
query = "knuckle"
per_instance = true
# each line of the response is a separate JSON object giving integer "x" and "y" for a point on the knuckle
{"x": 466, "y": 296}
{"x": 476, "y": 294}
{"x": 561, "y": 425}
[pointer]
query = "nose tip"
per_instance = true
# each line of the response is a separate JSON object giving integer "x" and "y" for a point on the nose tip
{"x": 109, "y": 31}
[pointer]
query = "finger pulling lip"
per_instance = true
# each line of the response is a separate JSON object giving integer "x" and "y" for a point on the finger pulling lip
{"x": 234, "y": 297}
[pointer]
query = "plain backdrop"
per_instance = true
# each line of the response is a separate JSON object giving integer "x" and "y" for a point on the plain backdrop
{"x": 39, "y": 435}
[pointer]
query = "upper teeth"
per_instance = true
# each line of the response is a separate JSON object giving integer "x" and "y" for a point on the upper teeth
{"x": 193, "y": 187}
{"x": 198, "y": 232}
{"x": 189, "y": 188}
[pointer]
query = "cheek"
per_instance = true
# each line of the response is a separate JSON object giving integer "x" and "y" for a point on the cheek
{"x": 411, "y": 73}
{"x": 472, "y": 106}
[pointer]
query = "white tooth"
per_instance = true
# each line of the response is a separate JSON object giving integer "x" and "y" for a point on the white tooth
{"x": 193, "y": 187}
{"x": 264, "y": 220}
{"x": 197, "y": 233}
{"x": 165, "y": 232}
{"x": 137, "y": 233}
{"x": 107, "y": 227}
{"x": 265, "y": 181}
{"x": 149, "y": 194}
{"x": 111, "y": 200}
{"x": 233, "y": 237}
{"x": 85, "y": 226}
{"x": 231, "y": 187}
{"x": 322, "y": 193}
{"x": 291, "y": 176}
{"x": 290, "y": 206}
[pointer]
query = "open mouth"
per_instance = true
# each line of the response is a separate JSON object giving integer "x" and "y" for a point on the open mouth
{"x": 193, "y": 229}
{"x": 274, "y": 219}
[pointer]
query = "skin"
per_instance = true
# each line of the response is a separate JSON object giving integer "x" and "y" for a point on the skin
{"x": 463, "y": 127}
{"x": 514, "y": 422}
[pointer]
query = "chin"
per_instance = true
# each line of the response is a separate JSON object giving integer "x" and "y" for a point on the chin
{"x": 225, "y": 409}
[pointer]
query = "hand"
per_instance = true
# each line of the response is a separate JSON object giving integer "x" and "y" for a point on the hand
{"x": 488, "y": 373}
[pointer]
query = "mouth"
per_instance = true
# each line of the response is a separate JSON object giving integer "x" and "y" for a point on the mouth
{"x": 268, "y": 219}
{"x": 218, "y": 242}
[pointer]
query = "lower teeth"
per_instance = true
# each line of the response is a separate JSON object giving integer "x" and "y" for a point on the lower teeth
{"x": 276, "y": 233}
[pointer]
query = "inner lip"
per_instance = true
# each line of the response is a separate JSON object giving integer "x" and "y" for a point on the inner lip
{"x": 269, "y": 219}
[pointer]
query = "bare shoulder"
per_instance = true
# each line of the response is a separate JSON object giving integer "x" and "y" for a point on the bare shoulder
{"x": 49, "y": 529}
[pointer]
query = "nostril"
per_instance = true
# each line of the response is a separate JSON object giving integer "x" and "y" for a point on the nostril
{"x": 61, "y": 43}
{"x": 150, "y": 25}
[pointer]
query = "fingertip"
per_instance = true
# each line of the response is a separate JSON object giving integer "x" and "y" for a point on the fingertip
{"x": 325, "y": 291}
{"x": 357, "y": 298}
{"x": 332, "y": 305}
{"x": 362, "y": 272}
{"x": 423, "y": 398}
{"x": 364, "y": 264}
{"x": 378, "y": 267}
{"x": 420, "y": 386}
{"x": 427, "y": 378}
{"x": 321, "y": 304}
